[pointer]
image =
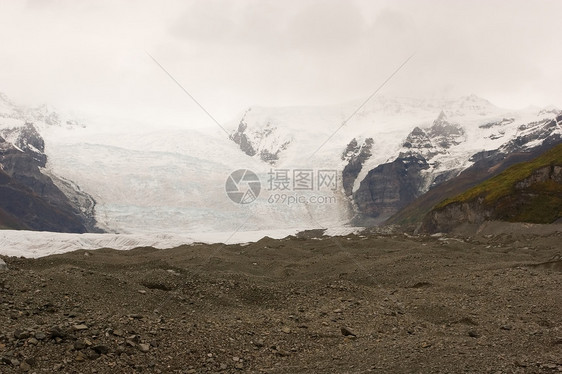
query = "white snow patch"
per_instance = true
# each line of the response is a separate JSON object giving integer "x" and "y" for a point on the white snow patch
{"x": 33, "y": 244}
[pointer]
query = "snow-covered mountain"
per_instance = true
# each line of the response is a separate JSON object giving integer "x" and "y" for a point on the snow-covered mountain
{"x": 42, "y": 116}
{"x": 395, "y": 149}
{"x": 317, "y": 166}
{"x": 32, "y": 197}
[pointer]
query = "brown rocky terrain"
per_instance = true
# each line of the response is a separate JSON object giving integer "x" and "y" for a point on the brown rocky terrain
{"x": 379, "y": 302}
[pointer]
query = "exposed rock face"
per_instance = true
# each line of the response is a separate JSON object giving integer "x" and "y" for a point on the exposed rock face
{"x": 267, "y": 144}
{"x": 433, "y": 141}
{"x": 82, "y": 202}
{"x": 486, "y": 165}
{"x": 28, "y": 140}
{"x": 437, "y": 145}
{"x": 390, "y": 187}
{"x": 540, "y": 132}
{"x": 542, "y": 175}
{"x": 30, "y": 199}
{"x": 444, "y": 134}
{"x": 527, "y": 194}
{"x": 355, "y": 155}
{"x": 445, "y": 220}
{"x": 240, "y": 138}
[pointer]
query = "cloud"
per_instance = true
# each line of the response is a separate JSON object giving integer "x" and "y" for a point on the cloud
{"x": 313, "y": 25}
{"x": 233, "y": 54}
{"x": 326, "y": 25}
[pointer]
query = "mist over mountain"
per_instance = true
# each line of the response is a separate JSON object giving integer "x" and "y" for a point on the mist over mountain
{"x": 389, "y": 154}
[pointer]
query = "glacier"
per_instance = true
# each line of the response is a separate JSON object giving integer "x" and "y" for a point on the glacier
{"x": 164, "y": 185}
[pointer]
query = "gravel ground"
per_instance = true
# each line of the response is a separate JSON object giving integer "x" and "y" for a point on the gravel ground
{"x": 369, "y": 303}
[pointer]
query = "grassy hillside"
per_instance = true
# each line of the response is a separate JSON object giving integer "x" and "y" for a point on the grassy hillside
{"x": 540, "y": 203}
{"x": 481, "y": 171}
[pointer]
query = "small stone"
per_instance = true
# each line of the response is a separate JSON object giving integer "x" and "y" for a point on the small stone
{"x": 473, "y": 334}
{"x": 25, "y": 366}
{"x": 80, "y": 327}
{"x": 259, "y": 343}
{"x": 282, "y": 353}
{"x": 143, "y": 347}
{"x": 118, "y": 333}
{"x": 286, "y": 330}
{"x": 347, "y": 332}
{"x": 223, "y": 366}
{"x": 101, "y": 349}
{"x": 40, "y": 336}
{"x": 3, "y": 266}
{"x": 21, "y": 334}
{"x": 130, "y": 343}
{"x": 142, "y": 292}
{"x": 506, "y": 327}
{"x": 235, "y": 359}
{"x": 57, "y": 333}
{"x": 92, "y": 355}
{"x": 33, "y": 341}
{"x": 338, "y": 311}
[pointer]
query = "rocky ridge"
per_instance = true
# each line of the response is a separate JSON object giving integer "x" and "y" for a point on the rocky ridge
{"x": 526, "y": 192}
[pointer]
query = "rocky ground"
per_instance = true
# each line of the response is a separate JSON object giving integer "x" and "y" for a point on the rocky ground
{"x": 375, "y": 302}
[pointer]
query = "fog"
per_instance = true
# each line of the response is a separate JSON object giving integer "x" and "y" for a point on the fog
{"x": 91, "y": 56}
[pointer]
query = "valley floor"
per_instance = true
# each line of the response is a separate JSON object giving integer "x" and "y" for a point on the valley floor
{"x": 488, "y": 304}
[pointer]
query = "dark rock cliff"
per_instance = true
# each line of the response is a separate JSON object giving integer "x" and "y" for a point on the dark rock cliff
{"x": 355, "y": 155}
{"x": 390, "y": 186}
{"x": 30, "y": 199}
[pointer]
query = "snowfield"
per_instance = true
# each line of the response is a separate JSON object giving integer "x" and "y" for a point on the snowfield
{"x": 175, "y": 182}
{"x": 33, "y": 244}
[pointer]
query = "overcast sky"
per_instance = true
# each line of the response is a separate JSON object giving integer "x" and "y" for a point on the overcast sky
{"x": 91, "y": 55}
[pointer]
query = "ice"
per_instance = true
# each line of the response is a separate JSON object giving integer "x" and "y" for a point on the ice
{"x": 33, "y": 244}
{"x": 164, "y": 186}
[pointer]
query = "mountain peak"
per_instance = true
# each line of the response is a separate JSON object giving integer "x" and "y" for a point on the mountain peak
{"x": 441, "y": 118}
